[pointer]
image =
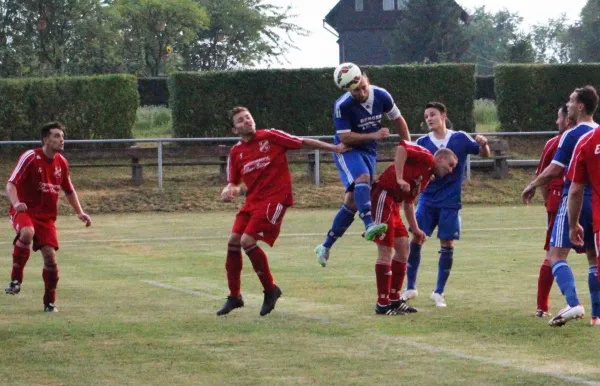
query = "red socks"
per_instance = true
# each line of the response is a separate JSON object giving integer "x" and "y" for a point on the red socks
{"x": 398, "y": 274}
{"x": 233, "y": 266}
{"x": 261, "y": 266}
{"x": 545, "y": 281}
{"x": 383, "y": 274}
{"x": 50, "y": 276}
{"x": 21, "y": 254}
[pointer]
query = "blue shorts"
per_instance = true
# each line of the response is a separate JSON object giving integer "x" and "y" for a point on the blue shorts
{"x": 446, "y": 220}
{"x": 352, "y": 164}
{"x": 560, "y": 231}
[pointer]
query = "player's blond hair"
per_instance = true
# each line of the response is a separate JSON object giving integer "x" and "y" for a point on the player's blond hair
{"x": 445, "y": 153}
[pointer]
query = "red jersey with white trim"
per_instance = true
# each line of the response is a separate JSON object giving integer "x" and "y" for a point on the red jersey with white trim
{"x": 546, "y": 159}
{"x": 585, "y": 169}
{"x": 261, "y": 164}
{"x": 418, "y": 170}
{"x": 38, "y": 180}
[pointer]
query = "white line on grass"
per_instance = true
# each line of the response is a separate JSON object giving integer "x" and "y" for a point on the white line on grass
{"x": 225, "y": 236}
{"x": 408, "y": 342}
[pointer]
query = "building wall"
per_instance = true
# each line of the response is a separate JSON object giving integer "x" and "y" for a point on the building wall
{"x": 364, "y": 47}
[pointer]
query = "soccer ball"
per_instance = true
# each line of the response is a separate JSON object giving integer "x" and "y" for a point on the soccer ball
{"x": 347, "y": 76}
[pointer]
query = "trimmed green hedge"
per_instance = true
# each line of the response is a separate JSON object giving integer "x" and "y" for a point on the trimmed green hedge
{"x": 528, "y": 96}
{"x": 91, "y": 107}
{"x": 301, "y": 101}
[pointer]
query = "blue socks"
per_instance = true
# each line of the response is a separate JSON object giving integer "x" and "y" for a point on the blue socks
{"x": 566, "y": 282}
{"x": 594, "y": 286}
{"x": 444, "y": 267}
{"x": 362, "y": 198}
{"x": 341, "y": 222}
{"x": 412, "y": 266}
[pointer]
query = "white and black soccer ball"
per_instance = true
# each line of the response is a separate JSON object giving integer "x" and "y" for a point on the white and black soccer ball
{"x": 347, "y": 76}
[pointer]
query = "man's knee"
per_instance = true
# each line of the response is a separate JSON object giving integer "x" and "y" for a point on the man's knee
{"x": 49, "y": 255}
{"x": 234, "y": 239}
{"x": 447, "y": 243}
{"x": 247, "y": 240}
{"x": 349, "y": 201}
{"x": 363, "y": 178}
{"x": 26, "y": 235}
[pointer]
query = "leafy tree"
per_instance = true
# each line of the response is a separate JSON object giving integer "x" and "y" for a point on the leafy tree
{"x": 430, "y": 31}
{"x": 242, "y": 33}
{"x": 153, "y": 28}
{"x": 585, "y": 35}
{"x": 521, "y": 50}
{"x": 551, "y": 41}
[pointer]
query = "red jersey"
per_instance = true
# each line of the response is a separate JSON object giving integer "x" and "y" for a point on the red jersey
{"x": 418, "y": 170}
{"x": 38, "y": 180}
{"x": 546, "y": 159}
{"x": 585, "y": 169}
{"x": 262, "y": 165}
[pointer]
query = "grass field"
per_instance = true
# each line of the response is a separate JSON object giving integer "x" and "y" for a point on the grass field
{"x": 138, "y": 295}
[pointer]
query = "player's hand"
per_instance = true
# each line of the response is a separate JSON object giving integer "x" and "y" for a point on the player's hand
{"x": 528, "y": 194}
{"x": 85, "y": 218}
{"x": 20, "y": 207}
{"x": 419, "y": 236}
{"x": 383, "y": 133}
{"x": 227, "y": 194}
{"x": 404, "y": 186}
{"x": 341, "y": 148}
{"x": 576, "y": 235}
{"x": 481, "y": 140}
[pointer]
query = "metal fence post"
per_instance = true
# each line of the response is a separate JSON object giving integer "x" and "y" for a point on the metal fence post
{"x": 160, "y": 167}
{"x": 469, "y": 167}
{"x": 317, "y": 168}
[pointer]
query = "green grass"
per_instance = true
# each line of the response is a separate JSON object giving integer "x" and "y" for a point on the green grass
{"x": 138, "y": 293}
{"x": 485, "y": 116}
{"x": 153, "y": 122}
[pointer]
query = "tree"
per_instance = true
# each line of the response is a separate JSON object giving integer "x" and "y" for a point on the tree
{"x": 585, "y": 34}
{"x": 551, "y": 41}
{"x": 429, "y": 31}
{"x": 521, "y": 50}
{"x": 491, "y": 36}
{"x": 153, "y": 28}
{"x": 242, "y": 33}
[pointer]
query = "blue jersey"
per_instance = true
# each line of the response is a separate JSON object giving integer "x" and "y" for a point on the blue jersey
{"x": 349, "y": 115}
{"x": 566, "y": 147}
{"x": 445, "y": 192}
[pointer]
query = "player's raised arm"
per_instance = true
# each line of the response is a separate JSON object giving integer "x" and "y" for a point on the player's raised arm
{"x": 352, "y": 139}
{"x": 309, "y": 143}
{"x": 484, "y": 148}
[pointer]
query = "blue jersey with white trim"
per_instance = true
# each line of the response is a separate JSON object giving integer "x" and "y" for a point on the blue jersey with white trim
{"x": 349, "y": 115}
{"x": 565, "y": 150}
{"x": 445, "y": 192}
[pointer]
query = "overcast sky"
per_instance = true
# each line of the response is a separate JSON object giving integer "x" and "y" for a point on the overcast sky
{"x": 320, "y": 48}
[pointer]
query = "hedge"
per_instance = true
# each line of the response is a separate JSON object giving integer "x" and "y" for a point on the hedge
{"x": 300, "y": 101}
{"x": 91, "y": 107}
{"x": 528, "y": 96}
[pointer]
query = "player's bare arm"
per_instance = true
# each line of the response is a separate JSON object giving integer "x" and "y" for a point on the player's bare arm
{"x": 230, "y": 191}
{"x": 402, "y": 128}
{"x": 353, "y": 139}
{"x": 399, "y": 162}
{"x": 574, "y": 205}
{"x": 308, "y": 143}
{"x": 484, "y": 149}
{"x": 11, "y": 191}
{"x": 551, "y": 172}
{"x": 73, "y": 200}
{"x": 409, "y": 212}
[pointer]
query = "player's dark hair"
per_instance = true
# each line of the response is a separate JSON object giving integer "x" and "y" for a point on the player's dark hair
{"x": 564, "y": 109}
{"x": 438, "y": 106}
{"x": 236, "y": 110}
{"x": 45, "y": 130}
{"x": 589, "y": 97}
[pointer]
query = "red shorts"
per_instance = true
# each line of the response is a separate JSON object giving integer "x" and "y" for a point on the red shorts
{"x": 553, "y": 200}
{"x": 387, "y": 211}
{"x": 45, "y": 231}
{"x": 262, "y": 221}
{"x": 551, "y": 218}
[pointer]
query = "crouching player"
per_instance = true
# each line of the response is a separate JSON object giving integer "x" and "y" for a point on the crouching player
{"x": 413, "y": 168}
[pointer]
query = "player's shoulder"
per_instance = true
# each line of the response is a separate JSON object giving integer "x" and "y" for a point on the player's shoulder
{"x": 61, "y": 159}
{"x": 380, "y": 91}
{"x": 463, "y": 135}
{"x": 343, "y": 101}
{"x": 30, "y": 154}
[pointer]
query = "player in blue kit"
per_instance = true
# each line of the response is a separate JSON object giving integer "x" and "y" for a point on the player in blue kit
{"x": 581, "y": 107}
{"x": 357, "y": 119}
{"x": 439, "y": 205}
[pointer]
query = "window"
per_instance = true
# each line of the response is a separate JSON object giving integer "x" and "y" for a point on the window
{"x": 402, "y": 4}
{"x": 388, "y": 5}
{"x": 358, "y": 5}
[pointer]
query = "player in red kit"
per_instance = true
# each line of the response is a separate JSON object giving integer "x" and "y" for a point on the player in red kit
{"x": 552, "y": 194}
{"x": 413, "y": 168}
{"x": 33, "y": 189}
{"x": 259, "y": 161}
{"x": 584, "y": 170}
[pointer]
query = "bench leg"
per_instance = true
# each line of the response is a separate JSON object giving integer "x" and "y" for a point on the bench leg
{"x": 137, "y": 174}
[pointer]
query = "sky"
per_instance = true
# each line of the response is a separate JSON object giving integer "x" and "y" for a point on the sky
{"x": 320, "y": 49}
